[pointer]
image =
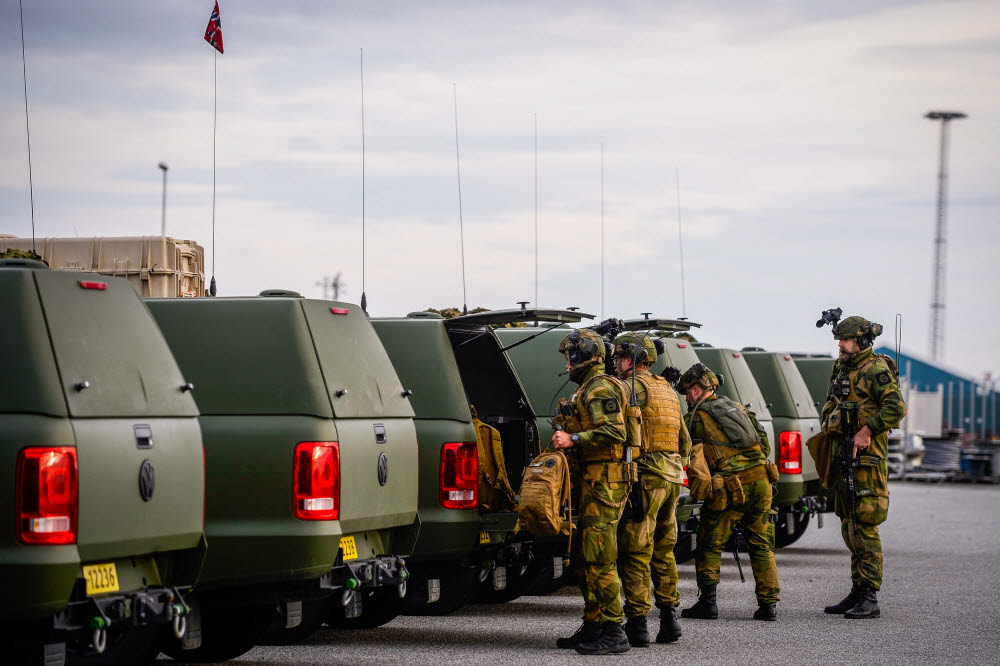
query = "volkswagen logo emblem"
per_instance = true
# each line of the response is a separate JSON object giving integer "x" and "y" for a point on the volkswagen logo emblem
{"x": 147, "y": 481}
{"x": 383, "y": 469}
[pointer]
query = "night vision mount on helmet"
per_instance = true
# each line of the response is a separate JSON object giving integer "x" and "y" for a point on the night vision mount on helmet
{"x": 853, "y": 327}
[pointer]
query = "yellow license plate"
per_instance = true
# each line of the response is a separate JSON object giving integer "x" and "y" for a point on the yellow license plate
{"x": 101, "y": 578}
{"x": 350, "y": 548}
{"x": 484, "y": 537}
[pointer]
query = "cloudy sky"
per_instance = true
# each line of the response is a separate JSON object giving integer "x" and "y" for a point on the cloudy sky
{"x": 807, "y": 172}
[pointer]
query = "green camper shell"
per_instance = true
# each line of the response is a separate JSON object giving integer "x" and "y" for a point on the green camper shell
{"x": 281, "y": 381}
{"x": 816, "y": 371}
{"x": 795, "y": 421}
{"x": 102, "y": 484}
{"x": 450, "y": 364}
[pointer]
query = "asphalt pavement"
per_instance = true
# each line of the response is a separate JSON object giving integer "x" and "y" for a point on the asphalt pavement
{"x": 940, "y": 604}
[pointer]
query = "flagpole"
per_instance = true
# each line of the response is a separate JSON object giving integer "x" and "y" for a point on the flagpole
{"x": 215, "y": 113}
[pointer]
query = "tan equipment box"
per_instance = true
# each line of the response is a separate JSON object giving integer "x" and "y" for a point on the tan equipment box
{"x": 157, "y": 266}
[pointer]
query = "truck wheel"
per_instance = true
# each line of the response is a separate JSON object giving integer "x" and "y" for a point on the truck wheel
{"x": 684, "y": 548}
{"x": 800, "y": 522}
{"x": 313, "y": 615}
{"x": 227, "y": 631}
{"x": 378, "y": 607}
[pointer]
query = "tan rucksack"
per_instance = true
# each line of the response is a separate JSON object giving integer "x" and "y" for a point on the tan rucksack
{"x": 495, "y": 493}
{"x": 545, "y": 507}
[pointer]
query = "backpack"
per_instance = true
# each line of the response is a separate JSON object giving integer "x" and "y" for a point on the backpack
{"x": 888, "y": 360}
{"x": 734, "y": 421}
{"x": 545, "y": 508}
{"x": 495, "y": 493}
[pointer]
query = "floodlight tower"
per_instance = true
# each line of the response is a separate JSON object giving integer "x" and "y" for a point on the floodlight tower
{"x": 938, "y": 297}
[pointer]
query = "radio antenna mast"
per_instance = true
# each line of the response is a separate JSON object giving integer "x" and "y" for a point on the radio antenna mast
{"x": 364, "y": 296}
{"x": 680, "y": 243}
{"x": 602, "y": 230}
{"x": 536, "y": 210}
{"x": 461, "y": 224}
{"x": 27, "y": 129}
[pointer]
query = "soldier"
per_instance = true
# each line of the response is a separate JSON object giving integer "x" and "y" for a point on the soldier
{"x": 862, "y": 377}
{"x": 596, "y": 431}
{"x": 648, "y": 531}
{"x": 728, "y": 438}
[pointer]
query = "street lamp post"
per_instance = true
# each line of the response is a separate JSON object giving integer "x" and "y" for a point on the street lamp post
{"x": 163, "y": 215}
{"x": 938, "y": 296}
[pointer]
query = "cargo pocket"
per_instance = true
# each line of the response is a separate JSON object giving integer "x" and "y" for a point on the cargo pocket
{"x": 598, "y": 542}
{"x": 718, "y": 499}
{"x": 872, "y": 478}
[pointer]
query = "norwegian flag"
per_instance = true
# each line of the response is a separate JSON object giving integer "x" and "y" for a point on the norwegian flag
{"x": 213, "y": 33}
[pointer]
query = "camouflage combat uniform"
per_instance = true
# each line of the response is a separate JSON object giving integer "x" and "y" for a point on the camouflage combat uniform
{"x": 867, "y": 380}
{"x": 753, "y": 515}
{"x": 600, "y": 423}
{"x": 646, "y": 547}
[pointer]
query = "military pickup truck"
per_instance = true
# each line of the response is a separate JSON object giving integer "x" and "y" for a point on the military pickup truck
{"x": 309, "y": 451}
{"x": 101, "y": 472}
{"x": 451, "y": 365}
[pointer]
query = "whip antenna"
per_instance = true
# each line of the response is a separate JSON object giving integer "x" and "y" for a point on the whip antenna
{"x": 899, "y": 336}
{"x": 364, "y": 296}
{"x": 602, "y": 230}
{"x": 680, "y": 243}
{"x": 461, "y": 225}
{"x": 536, "y": 210}
{"x": 27, "y": 129}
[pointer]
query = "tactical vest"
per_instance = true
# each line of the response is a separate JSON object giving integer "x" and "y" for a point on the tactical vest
{"x": 733, "y": 421}
{"x": 844, "y": 388}
{"x": 661, "y": 417}
{"x": 633, "y": 429}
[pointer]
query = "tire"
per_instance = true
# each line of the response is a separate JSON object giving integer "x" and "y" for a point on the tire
{"x": 684, "y": 548}
{"x": 227, "y": 631}
{"x": 378, "y": 607}
{"x": 458, "y": 585}
{"x": 313, "y": 615}
{"x": 781, "y": 536}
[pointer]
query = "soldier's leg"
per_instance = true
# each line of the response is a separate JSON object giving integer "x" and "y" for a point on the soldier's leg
{"x": 635, "y": 549}
{"x": 663, "y": 564}
{"x": 759, "y": 532}
{"x": 866, "y": 553}
{"x": 714, "y": 531}
{"x": 600, "y": 584}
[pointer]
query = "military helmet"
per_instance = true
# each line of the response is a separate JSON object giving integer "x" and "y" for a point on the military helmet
{"x": 858, "y": 327}
{"x": 582, "y": 345}
{"x": 700, "y": 374}
{"x": 637, "y": 346}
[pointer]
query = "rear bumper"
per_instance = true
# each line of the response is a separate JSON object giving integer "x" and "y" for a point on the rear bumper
{"x": 150, "y": 607}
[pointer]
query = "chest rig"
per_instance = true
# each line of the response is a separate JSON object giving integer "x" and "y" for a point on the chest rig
{"x": 661, "y": 417}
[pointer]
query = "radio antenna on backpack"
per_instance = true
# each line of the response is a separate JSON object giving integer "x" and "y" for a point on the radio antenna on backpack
{"x": 461, "y": 225}
{"x": 27, "y": 129}
{"x": 364, "y": 296}
{"x": 899, "y": 336}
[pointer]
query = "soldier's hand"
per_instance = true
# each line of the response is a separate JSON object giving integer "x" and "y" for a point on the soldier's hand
{"x": 862, "y": 440}
{"x": 561, "y": 440}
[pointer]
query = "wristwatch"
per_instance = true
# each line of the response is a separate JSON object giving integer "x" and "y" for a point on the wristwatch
{"x": 575, "y": 438}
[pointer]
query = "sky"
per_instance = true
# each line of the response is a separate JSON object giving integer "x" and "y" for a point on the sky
{"x": 787, "y": 140}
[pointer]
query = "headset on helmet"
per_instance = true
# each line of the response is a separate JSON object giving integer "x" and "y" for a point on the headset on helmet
{"x": 582, "y": 345}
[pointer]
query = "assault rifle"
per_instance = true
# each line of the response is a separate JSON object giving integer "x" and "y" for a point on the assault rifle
{"x": 846, "y": 463}
{"x": 737, "y": 533}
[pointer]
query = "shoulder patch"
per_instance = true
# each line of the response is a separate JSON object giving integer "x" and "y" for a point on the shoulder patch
{"x": 610, "y": 406}
{"x": 883, "y": 378}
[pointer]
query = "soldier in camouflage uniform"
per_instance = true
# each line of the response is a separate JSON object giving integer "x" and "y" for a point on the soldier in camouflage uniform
{"x": 648, "y": 530}
{"x": 862, "y": 377}
{"x": 596, "y": 433}
{"x": 737, "y": 453}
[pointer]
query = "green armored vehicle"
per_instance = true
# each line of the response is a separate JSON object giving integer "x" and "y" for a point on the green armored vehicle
{"x": 796, "y": 419}
{"x": 450, "y": 365}
{"x": 102, "y": 481}
{"x": 310, "y": 449}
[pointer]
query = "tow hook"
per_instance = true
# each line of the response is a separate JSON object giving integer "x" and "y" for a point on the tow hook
{"x": 487, "y": 566}
{"x": 178, "y": 613}
{"x": 100, "y": 635}
{"x": 351, "y": 584}
{"x": 404, "y": 575}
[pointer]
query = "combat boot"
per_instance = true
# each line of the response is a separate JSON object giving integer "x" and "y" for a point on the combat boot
{"x": 705, "y": 608}
{"x": 588, "y": 632}
{"x": 847, "y": 603}
{"x": 637, "y": 631}
{"x": 867, "y": 606}
{"x": 670, "y": 628}
{"x": 766, "y": 612}
{"x": 611, "y": 641}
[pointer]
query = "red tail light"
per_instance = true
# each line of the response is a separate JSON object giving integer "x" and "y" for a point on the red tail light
{"x": 316, "y": 481}
{"x": 681, "y": 345}
{"x": 684, "y": 477}
{"x": 459, "y": 475}
{"x": 790, "y": 452}
{"x": 47, "y": 495}
{"x": 99, "y": 286}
